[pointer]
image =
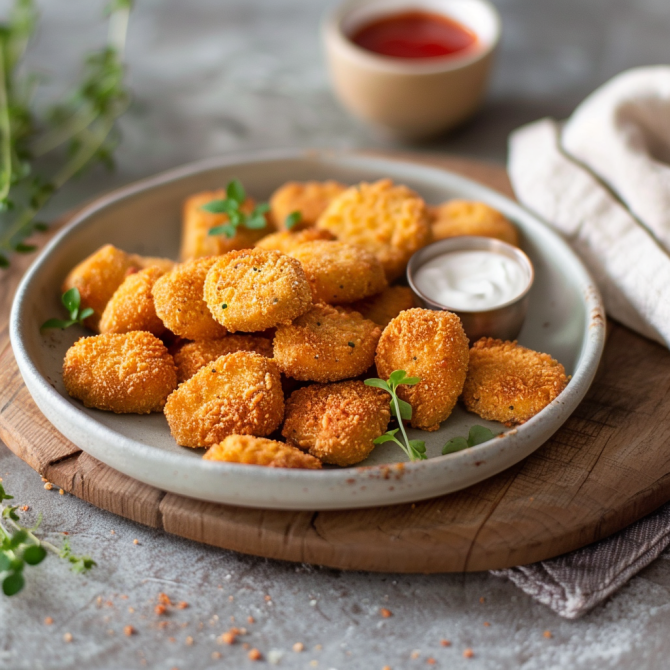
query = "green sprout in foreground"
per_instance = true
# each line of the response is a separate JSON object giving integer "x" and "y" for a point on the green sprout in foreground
{"x": 477, "y": 435}
{"x": 72, "y": 301}
{"x": 19, "y": 547}
{"x": 415, "y": 449}
{"x": 232, "y": 206}
{"x": 292, "y": 220}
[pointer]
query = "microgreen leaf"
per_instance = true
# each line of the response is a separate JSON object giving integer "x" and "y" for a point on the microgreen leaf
{"x": 235, "y": 191}
{"x": 52, "y": 324}
{"x": 216, "y": 207}
{"x": 34, "y": 554}
{"x": 378, "y": 383}
{"x": 71, "y": 300}
{"x": 405, "y": 409}
{"x": 454, "y": 445}
{"x": 479, "y": 435}
{"x": 86, "y": 313}
{"x": 292, "y": 220}
{"x": 12, "y": 583}
{"x": 227, "y": 229}
{"x": 255, "y": 222}
{"x": 397, "y": 377}
{"x": 232, "y": 206}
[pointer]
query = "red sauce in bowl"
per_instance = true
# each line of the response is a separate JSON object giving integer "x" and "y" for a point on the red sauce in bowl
{"x": 414, "y": 34}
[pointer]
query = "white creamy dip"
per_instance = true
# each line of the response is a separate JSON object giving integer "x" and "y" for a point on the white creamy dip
{"x": 472, "y": 281}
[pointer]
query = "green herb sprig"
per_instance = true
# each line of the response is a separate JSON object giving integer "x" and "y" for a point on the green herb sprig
{"x": 71, "y": 300}
{"x": 232, "y": 206}
{"x": 292, "y": 220}
{"x": 84, "y": 124}
{"x": 19, "y": 547}
{"x": 402, "y": 410}
{"x": 477, "y": 435}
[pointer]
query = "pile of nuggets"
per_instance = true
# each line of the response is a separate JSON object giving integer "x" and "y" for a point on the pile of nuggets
{"x": 269, "y": 334}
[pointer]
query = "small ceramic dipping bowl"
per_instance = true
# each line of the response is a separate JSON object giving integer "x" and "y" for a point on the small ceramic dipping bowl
{"x": 504, "y": 321}
{"x": 410, "y": 98}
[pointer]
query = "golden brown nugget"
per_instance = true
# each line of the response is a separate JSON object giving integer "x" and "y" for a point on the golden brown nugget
{"x": 260, "y": 451}
{"x": 237, "y": 393}
{"x": 129, "y": 373}
{"x": 340, "y": 273}
{"x": 255, "y": 289}
{"x": 132, "y": 305}
{"x": 390, "y": 221}
{"x": 337, "y": 423}
{"x": 309, "y": 198}
{"x": 466, "y": 217}
{"x": 326, "y": 345}
{"x": 287, "y": 242}
{"x": 99, "y": 275}
{"x": 194, "y": 355}
{"x": 179, "y": 302}
{"x": 432, "y": 346}
{"x": 385, "y": 306}
{"x": 509, "y": 383}
{"x": 196, "y": 241}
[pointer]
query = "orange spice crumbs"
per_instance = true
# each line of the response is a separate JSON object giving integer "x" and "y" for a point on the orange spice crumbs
{"x": 268, "y": 599}
{"x": 254, "y": 655}
{"x": 160, "y": 609}
{"x": 445, "y": 643}
{"x": 128, "y": 631}
{"x": 487, "y": 624}
{"x": 415, "y": 654}
{"x": 298, "y": 647}
{"x": 250, "y": 619}
{"x": 228, "y": 638}
{"x": 163, "y": 624}
{"x": 48, "y": 621}
{"x": 25, "y": 508}
{"x": 547, "y": 634}
{"x": 216, "y": 655}
{"x": 386, "y": 667}
{"x": 136, "y": 541}
{"x": 189, "y": 640}
{"x": 482, "y": 600}
{"x": 164, "y": 599}
{"x": 48, "y": 486}
{"x": 131, "y": 610}
{"x": 431, "y": 661}
{"x": 67, "y": 637}
{"x": 231, "y": 598}
{"x": 172, "y": 639}
{"x": 61, "y": 492}
{"x": 386, "y": 613}
{"x": 182, "y": 605}
{"x": 468, "y": 653}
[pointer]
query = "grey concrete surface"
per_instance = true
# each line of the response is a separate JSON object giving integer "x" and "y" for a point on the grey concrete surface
{"x": 213, "y": 76}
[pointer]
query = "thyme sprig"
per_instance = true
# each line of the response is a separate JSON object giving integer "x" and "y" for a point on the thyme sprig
{"x": 84, "y": 124}
{"x": 232, "y": 206}
{"x": 20, "y": 546}
{"x": 71, "y": 300}
{"x": 402, "y": 410}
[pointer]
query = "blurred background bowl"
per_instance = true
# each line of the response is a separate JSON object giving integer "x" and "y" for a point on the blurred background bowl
{"x": 410, "y": 98}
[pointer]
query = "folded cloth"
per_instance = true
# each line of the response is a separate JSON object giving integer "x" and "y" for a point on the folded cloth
{"x": 603, "y": 180}
{"x": 575, "y": 583}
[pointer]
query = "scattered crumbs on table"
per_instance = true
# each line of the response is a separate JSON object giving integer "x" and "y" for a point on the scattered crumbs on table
{"x": 112, "y": 532}
{"x": 129, "y": 630}
{"x": 67, "y": 637}
{"x": 160, "y": 610}
{"x": 547, "y": 634}
{"x": 99, "y": 600}
{"x": 386, "y": 613}
{"x": 254, "y": 655}
{"x": 227, "y": 638}
{"x": 431, "y": 661}
{"x": 274, "y": 656}
{"x": 415, "y": 654}
{"x": 136, "y": 541}
{"x": 298, "y": 647}
{"x": 44, "y": 479}
{"x": 231, "y": 598}
{"x": 386, "y": 667}
{"x": 486, "y": 624}
{"x": 482, "y": 600}
{"x": 164, "y": 599}
{"x": 188, "y": 640}
{"x": 48, "y": 621}
{"x": 250, "y": 619}
{"x": 312, "y": 603}
{"x": 61, "y": 492}
{"x": 131, "y": 610}
{"x": 268, "y": 598}
{"x": 24, "y": 508}
{"x": 468, "y": 653}
{"x": 445, "y": 643}
{"x": 172, "y": 639}
{"x": 48, "y": 486}
{"x": 182, "y": 605}
{"x": 216, "y": 655}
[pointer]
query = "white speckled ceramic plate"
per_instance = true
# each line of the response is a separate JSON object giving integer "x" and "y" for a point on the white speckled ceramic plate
{"x": 565, "y": 319}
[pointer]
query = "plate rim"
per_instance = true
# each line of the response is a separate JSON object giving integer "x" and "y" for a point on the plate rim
{"x": 593, "y": 337}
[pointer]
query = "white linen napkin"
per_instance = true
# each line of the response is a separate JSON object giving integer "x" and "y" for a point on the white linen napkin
{"x": 603, "y": 180}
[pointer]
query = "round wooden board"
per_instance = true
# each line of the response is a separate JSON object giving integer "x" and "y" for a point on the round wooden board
{"x": 605, "y": 468}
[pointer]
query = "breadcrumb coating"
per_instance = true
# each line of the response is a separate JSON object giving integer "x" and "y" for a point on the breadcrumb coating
{"x": 178, "y": 298}
{"x": 254, "y": 289}
{"x": 196, "y": 241}
{"x": 509, "y": 383}
{"x": 309, "y": 198}
{"x": 126, "y": 373}
{"x": 132, "y": 305}
{"x": 337, "y": 423}
{"x": 287, "y": 242}
{"x": 390, "y": 221}
{"x": 340, "y": 273}
{"x": 238, "y": 393}
{"x": 194, "y": 355}
{"x": 326, "y": 344}
{"x": 252, "y": 450}
{"x": 385, "y": 306}
{"x": 99, "y": 275}
{"x": 466, "y": 217}
{"x": 430, "y": 345}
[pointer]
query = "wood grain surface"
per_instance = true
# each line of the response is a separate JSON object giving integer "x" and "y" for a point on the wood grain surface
{"x": 605, "y": 468}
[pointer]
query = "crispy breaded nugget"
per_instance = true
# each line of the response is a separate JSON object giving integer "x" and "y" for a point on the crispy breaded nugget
{"x": 337, "y": 422}
{"x": 237, "y": 393}
{"x": 260, "y": 451}
{"x": 309, "y": 198}
{"x": 385, "y": 306}
{"x": 129, "y": 373}
{"x": 326, "y": 344}
{"x": 509, "y": 383}
{"x": 178, "y": 298}
{"x": 196, "y": 241}
{"x": 465, "y": 217}
{"x": 390, "y": 221}
{"x": 132, "y": 305}
{"x": 194, "y": 355}
{"x": 430, "y": 345}
{"x": 339, "y": 272}
{"x": 286, "y": 242}
{"x": 255, "y": 289}
{"x": 99, "y": 275}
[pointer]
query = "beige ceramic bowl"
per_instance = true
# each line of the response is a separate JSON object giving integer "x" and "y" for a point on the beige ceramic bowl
{"x": 410, "y": 98}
